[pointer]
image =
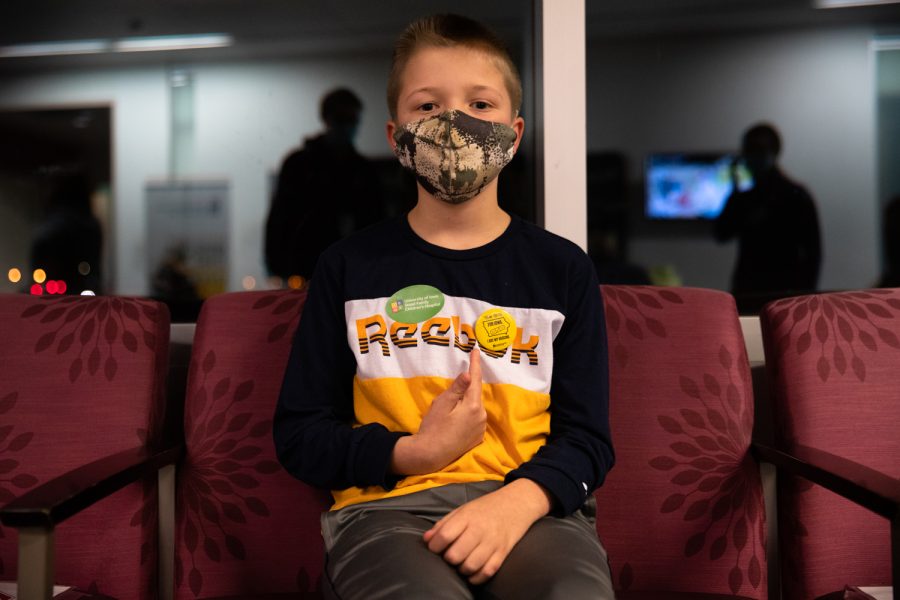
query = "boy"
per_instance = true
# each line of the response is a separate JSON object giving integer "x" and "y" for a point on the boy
{"x": 448, "y": 381}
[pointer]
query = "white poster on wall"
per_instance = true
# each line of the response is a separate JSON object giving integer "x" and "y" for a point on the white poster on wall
{"x": 187, "y": 238}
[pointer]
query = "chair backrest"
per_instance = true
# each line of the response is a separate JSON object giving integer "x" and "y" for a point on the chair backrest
{"x": 682, "y": 510}
{"x": 833, "y": 361}
{"x": 243, "y": 525}
{"x": 82, "y": 378}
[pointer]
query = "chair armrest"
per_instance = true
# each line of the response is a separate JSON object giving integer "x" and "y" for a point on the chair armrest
{"x": 58, "y": 499}
{"x": 858, "y": 483}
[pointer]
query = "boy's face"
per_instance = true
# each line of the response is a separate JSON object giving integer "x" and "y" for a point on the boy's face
{"x": 465, "y": 79}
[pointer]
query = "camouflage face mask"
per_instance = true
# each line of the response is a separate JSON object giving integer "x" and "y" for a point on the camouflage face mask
{"x": 453, "y": 155}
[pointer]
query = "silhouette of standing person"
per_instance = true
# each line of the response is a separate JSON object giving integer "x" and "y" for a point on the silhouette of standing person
{"x": 326, "y": 190}
{"x": 775, "y": 223}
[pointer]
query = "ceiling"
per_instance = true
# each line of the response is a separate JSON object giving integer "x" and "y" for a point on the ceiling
{"x": 636, "y": 17}
{"x": 265, "y": 28}
{"x": 259, "y": 26}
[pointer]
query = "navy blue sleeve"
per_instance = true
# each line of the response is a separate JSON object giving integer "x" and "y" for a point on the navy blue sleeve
{"x": 314, "y": 438}
{"x": 579, "y": 451}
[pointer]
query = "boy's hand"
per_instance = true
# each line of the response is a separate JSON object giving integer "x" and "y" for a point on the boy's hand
{"x": 454, "y": 424}
{"x": 479, "y": 535}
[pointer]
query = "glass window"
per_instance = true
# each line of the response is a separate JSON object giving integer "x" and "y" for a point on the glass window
{"x": 673, "y": 95}
{"x": 177, "y": 119}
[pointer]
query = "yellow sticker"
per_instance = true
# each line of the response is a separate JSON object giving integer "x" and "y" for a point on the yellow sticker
{"x": 495, "y": 329}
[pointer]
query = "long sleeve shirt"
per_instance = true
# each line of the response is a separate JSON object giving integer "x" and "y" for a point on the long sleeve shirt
{"x": 366, "y": 363}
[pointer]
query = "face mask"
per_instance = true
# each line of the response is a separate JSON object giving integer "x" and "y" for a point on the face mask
{"x": 453, "y": 155}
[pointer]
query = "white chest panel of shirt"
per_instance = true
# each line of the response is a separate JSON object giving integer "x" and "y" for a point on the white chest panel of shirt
{"x": 440, "y": 346}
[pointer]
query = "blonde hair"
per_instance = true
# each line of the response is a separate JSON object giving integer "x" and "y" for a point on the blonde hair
{"x": 445, "y": 31}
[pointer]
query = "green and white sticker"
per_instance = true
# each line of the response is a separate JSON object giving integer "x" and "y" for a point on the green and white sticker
{"x": 414, "y": 304}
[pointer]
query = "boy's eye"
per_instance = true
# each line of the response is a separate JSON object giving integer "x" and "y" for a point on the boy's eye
{"x": 427, "y": 107}
{"x": 480, "y": 105}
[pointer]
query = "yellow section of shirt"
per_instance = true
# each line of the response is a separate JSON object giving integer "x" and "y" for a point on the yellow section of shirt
{"x": 518, "y": 422}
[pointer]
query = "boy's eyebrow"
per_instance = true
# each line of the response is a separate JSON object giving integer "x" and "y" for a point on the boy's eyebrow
{"x": 422, "y": 89}
{"x": 481, "y": 88}
{"x": 474, "y": 88}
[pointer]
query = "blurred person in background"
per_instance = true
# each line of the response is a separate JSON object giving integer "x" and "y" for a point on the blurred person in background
{"x": 326, "y": 190}
{"x": 173, "y": 284}
{"x": 775, "y": 223}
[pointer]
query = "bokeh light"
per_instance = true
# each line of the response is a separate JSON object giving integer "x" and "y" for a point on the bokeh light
{"x": 14, "y": 275}
{"x": 88, "y": 293}
{"x": 84, "y": 268}
{"x": 39, "y": 276}
{"x": 52, "y": 287}
{"x": 295, "y": 282}
{"x": 37, "y": 289}
{"x": 249, "y": 282}
{"x": 61, "y": 287}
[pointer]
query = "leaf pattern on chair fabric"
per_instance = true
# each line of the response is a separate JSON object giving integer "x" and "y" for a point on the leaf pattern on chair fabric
{"x": 282, "y": 304}
{"x": 712, "y": 470}
{"x": 837, "y": 327}
{"x": 222, "y": 469}
{"x": 92, "y": 330}
{"x": 148, "y": 513}
{"x": 288, "y": 305}
{"x": 625, "y": 578}
{"x": 630, "y": 311}
{"x": 95, "y": 331}
{"x": 13, "y": 482}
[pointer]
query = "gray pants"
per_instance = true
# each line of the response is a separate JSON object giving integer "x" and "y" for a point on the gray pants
{"x": 375, "y": 550}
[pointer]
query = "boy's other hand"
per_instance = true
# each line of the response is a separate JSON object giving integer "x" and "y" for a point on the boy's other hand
{"x": 454, "y": 424}
{"x": 479, "y": 535}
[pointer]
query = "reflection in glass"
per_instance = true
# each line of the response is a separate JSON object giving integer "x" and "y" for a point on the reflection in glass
{"x": 230, "y": 113}
{"x": 54, "y": 202}
{"x": 660, "y": 82}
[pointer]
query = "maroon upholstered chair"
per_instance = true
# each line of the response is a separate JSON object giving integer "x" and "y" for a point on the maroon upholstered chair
{"x": 834, "y": 368}
{"x": 81, "y": 383}
{"x": 243, "y": 525}
{"x": 681, "y": 514}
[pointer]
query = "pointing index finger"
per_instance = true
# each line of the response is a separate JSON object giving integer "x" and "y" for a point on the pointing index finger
{"x": 474, "y": 391}
{"x": 475, "y": 363}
